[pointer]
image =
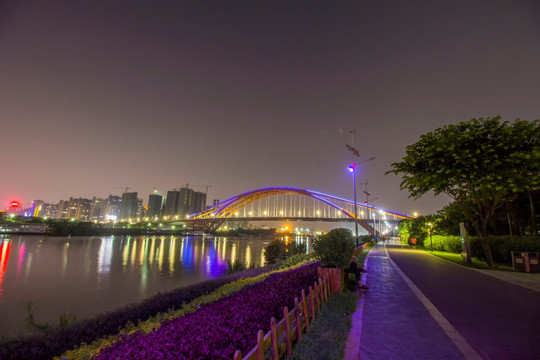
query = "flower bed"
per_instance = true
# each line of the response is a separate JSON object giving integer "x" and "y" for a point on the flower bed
{"x": 219, "y": 328}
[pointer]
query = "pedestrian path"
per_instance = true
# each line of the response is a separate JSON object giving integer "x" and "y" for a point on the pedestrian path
{"x": 394, "y": 323}
{"x": 394, "y": 320}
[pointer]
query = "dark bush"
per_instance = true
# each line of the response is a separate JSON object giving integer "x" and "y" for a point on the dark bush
{"x": 279, "y": 250}
{"x": 502, "y": 246}
{"x": 238, "y": 265}
{"x": 58, "y": 340}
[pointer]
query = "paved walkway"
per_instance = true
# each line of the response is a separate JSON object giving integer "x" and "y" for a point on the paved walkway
{"x": 394, "y": 320}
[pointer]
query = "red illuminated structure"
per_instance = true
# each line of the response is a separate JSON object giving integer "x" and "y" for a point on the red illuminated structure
{"x": 15, "y": 204}
{"x": 14, "y": 207}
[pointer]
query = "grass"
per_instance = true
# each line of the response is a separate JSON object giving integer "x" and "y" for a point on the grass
{"x": 330, "y": 330}
{"x": 328, "y": 333}
{"x": 476, "y": 263}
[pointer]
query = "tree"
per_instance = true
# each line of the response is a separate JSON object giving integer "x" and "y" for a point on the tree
{"x": 334, "y": 249}
{"x": 279, "y": 250}
{"x": 479, "y": 163}
{"x": 449, "y": 219}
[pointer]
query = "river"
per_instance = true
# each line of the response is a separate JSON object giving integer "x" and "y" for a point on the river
{"x": 84, "y": 276}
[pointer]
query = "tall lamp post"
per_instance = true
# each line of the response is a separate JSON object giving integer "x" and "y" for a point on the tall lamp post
{"x": 352, "y": 168}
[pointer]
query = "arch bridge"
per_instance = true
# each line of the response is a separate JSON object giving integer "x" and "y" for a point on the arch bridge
{"x": 287, "y": 203}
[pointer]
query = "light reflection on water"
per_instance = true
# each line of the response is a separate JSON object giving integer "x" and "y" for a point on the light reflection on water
{"x": 89, "y": 275}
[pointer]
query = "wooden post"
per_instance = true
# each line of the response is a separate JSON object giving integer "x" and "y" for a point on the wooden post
{"x": 273, "y": 332}
{"x": 287, "y": 331}
{"x": 304, "y": 305}
{"x": 311, "y": 303}
{"x": 237, "y": 355}
{"x": 317, "y": 296}
{"x": 323, "y": 291}
{"x": 297, "y": 316}
{"x": 260, "y": 350}
{"x": 328, "y": 286}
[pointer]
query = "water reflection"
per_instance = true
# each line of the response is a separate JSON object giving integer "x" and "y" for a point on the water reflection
{"x": 105, "y": 255}
{"x": 5, "y": 247}
{"x": 168, "y": 255}
{"x": 89, "y": 275}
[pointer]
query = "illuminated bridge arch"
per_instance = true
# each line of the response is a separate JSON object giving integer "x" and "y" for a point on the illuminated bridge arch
{"x": 275, "y": 203}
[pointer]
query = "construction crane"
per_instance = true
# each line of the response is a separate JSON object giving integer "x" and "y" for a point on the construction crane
{"x": 203, "y": 186}
{"x": 126, "y": 188}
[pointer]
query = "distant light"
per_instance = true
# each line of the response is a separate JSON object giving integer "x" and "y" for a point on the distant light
{"x": 351, "y": 168}
{"x": 15, "y": 204}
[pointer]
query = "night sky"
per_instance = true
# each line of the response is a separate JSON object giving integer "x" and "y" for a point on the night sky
{"x": 239, "y": 95}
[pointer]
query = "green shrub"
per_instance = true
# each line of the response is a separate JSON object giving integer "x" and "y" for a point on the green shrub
{"x": 501, "y": 246}
{"x": 446, "y": 243}
{"x": 364, "y": 239}
{"x": 334, "y": 249}
{"x": 295, "y": 260}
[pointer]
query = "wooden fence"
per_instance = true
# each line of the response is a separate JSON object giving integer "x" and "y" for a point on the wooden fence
{"x": 360, "y": 248}
{"x": 279, "y": 340}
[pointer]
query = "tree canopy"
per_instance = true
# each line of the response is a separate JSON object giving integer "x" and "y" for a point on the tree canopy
{"x": 479, "y": 163}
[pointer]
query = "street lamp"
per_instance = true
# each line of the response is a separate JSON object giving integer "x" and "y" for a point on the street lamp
{"x": 430, "y": 235}
{"x": 352, "y": 168}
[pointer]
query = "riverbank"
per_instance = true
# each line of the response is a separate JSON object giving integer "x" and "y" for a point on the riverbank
{"x": 55, "y": 227}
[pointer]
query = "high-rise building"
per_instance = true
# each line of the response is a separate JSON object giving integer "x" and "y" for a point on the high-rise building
{"x": 84, "y": 210}
{"x": 98, "y": 209}
{"x": 183, "y": 202}
{"x": 199, "y": 202}
{"x": 190, "y": 202}
{"x": 36, "y": 207}
{"x": 171, "y": 204}
{"x": 140, "y": 209}
{"x": 154, "y": 205}
{"x": 78, "y": 209}
{"x": 48, "y": 211}
{"x": 113, "y": 208}
{"x": 63, "y": 210}
{"x": 185, "y": 205}
{"x": 130, "y": 206}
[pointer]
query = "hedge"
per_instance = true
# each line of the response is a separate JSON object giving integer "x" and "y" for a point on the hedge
{"x": 501, "y": 246}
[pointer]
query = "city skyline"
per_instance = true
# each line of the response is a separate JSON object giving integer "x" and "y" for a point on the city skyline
{"x": 178, "y": 204}
{"x": 241, "y": 96}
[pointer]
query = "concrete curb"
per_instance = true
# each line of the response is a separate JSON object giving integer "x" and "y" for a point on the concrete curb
{"x": 352, "y": 346}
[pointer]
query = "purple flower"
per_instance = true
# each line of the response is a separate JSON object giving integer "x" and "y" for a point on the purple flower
{"x": 219, "y": 328}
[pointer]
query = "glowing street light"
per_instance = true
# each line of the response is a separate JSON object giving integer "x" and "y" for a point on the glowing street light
{"x": 352, "y": 168}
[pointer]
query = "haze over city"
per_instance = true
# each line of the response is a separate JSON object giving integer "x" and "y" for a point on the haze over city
{"x": 97, "y": 96}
